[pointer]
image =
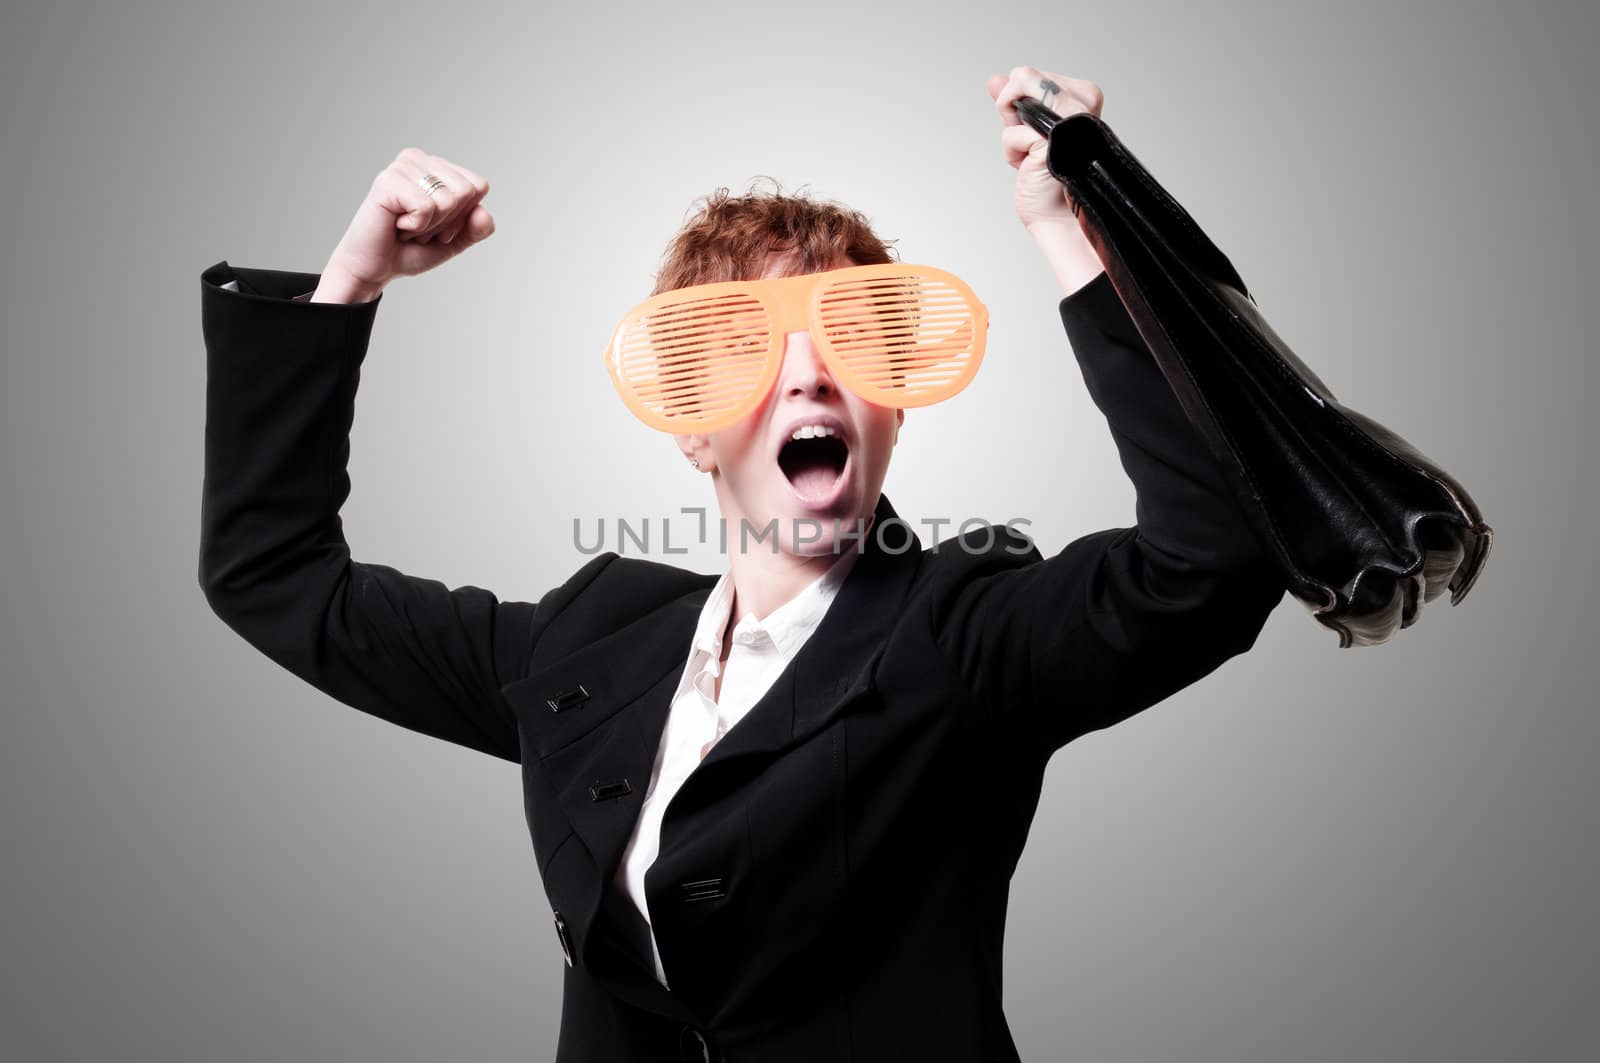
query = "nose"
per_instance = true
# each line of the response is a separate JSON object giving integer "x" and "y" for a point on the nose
{"x": 804, "y": 372}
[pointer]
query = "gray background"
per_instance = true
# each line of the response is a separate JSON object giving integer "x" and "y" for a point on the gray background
{"x": 1314, "y": 854}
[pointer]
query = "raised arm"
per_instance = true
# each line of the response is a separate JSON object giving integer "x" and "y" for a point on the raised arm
{"x": 281, "y": 379}
{"x": 1124, "y": 617}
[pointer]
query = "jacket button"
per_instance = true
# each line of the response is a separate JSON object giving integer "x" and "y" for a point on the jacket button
{"x": 561, "y": 936}
{"x": 692, "y": 1047}
{"x": 566, "y": 699}
{"x": 606, "y": 791}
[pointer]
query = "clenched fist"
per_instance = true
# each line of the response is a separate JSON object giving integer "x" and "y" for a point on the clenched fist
{"x": 402, "y": 228}
{"x": 1040, "y": 198}
{"x": 1041, "y": 201}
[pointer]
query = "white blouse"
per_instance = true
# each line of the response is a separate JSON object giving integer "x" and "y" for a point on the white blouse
{"x": 760, "y": 651}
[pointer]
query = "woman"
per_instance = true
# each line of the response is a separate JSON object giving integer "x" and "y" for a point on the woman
{"x": 776, "y": 812}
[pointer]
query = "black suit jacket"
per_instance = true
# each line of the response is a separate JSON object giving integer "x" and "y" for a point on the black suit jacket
{"x": 833, "y": 877}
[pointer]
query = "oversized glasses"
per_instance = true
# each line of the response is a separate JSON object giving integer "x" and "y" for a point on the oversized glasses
{"x": 700, "y": 358}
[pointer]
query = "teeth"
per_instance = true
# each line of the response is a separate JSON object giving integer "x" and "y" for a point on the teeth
{"x": 812, "y": 431}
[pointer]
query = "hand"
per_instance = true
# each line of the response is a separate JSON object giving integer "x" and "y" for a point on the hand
{"x": 1041, "y": 200}
{"x": 1042, "y": 203}
{"x": 401, "y": 230}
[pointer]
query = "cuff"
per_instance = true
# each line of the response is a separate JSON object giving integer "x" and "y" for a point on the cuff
{"x": 236, "y": 301}
{"x": 271, "y": 284}
{"x": 1097, "y": 306}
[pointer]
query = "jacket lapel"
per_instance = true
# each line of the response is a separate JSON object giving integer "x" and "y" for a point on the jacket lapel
{"x": 835, "y": 665}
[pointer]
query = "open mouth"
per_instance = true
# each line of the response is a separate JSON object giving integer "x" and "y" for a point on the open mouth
{"x": 814, "y": 467}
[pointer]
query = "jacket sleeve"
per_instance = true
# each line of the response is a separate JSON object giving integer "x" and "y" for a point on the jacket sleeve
{"x": 1121, "y": 618}
{"x": 281, "y": 378}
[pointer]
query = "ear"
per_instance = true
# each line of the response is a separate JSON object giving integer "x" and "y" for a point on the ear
{"x": 696, "y": 448}
{"x": 899, "y": 419}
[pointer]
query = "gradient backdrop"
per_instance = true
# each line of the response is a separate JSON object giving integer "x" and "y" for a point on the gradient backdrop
{"x": 1312, "y": 855}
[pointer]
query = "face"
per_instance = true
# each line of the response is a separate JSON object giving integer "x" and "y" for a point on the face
{"x": 761, "y": 474}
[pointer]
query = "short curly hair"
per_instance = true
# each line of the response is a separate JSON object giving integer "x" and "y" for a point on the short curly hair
{"x": 730, "y": 237}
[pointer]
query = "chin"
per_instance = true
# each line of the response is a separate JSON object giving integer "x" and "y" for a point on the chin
{"x": 841, "y": 503}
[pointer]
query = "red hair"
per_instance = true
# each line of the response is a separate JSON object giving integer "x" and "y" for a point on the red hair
{"x": 730, "y": 238}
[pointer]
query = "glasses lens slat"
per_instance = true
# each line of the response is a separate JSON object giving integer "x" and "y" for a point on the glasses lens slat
{"x": 695, "y": 359}
{"x": 907, "y": 338}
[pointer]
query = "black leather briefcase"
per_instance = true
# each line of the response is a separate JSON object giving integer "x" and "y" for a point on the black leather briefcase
{"x": 1365, "y": 528}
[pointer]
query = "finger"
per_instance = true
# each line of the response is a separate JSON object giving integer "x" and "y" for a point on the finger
{"x": 1021, "y": 81}
{"x": 474, "y": 225}
{"x": 1060, "y": 93}
{"x": 1065, "y": 95}
{"x": 465, "y": 190}
{"x": 449, "y": 197}
{"x": 479, "y": 185}
{"x": 1085, "y": 93}
{"x": 1018, "y": 142}
{"x": 448, "y": 234}
{"x": 443, "y": 201}
{"x": 478, "y": 226}
{"x": 434, "y": 205}
{"x": 397, "y": 191}
{"x": 452, "y": 231}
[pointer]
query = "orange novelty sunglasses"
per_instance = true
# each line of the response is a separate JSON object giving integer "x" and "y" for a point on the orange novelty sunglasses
{"x": 698, "y": 359}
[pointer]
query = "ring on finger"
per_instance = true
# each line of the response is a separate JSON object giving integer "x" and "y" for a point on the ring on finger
{"x": 430, "y": 183}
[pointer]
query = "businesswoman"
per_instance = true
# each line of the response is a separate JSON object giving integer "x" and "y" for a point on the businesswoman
{"x": 775, "y": 811}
